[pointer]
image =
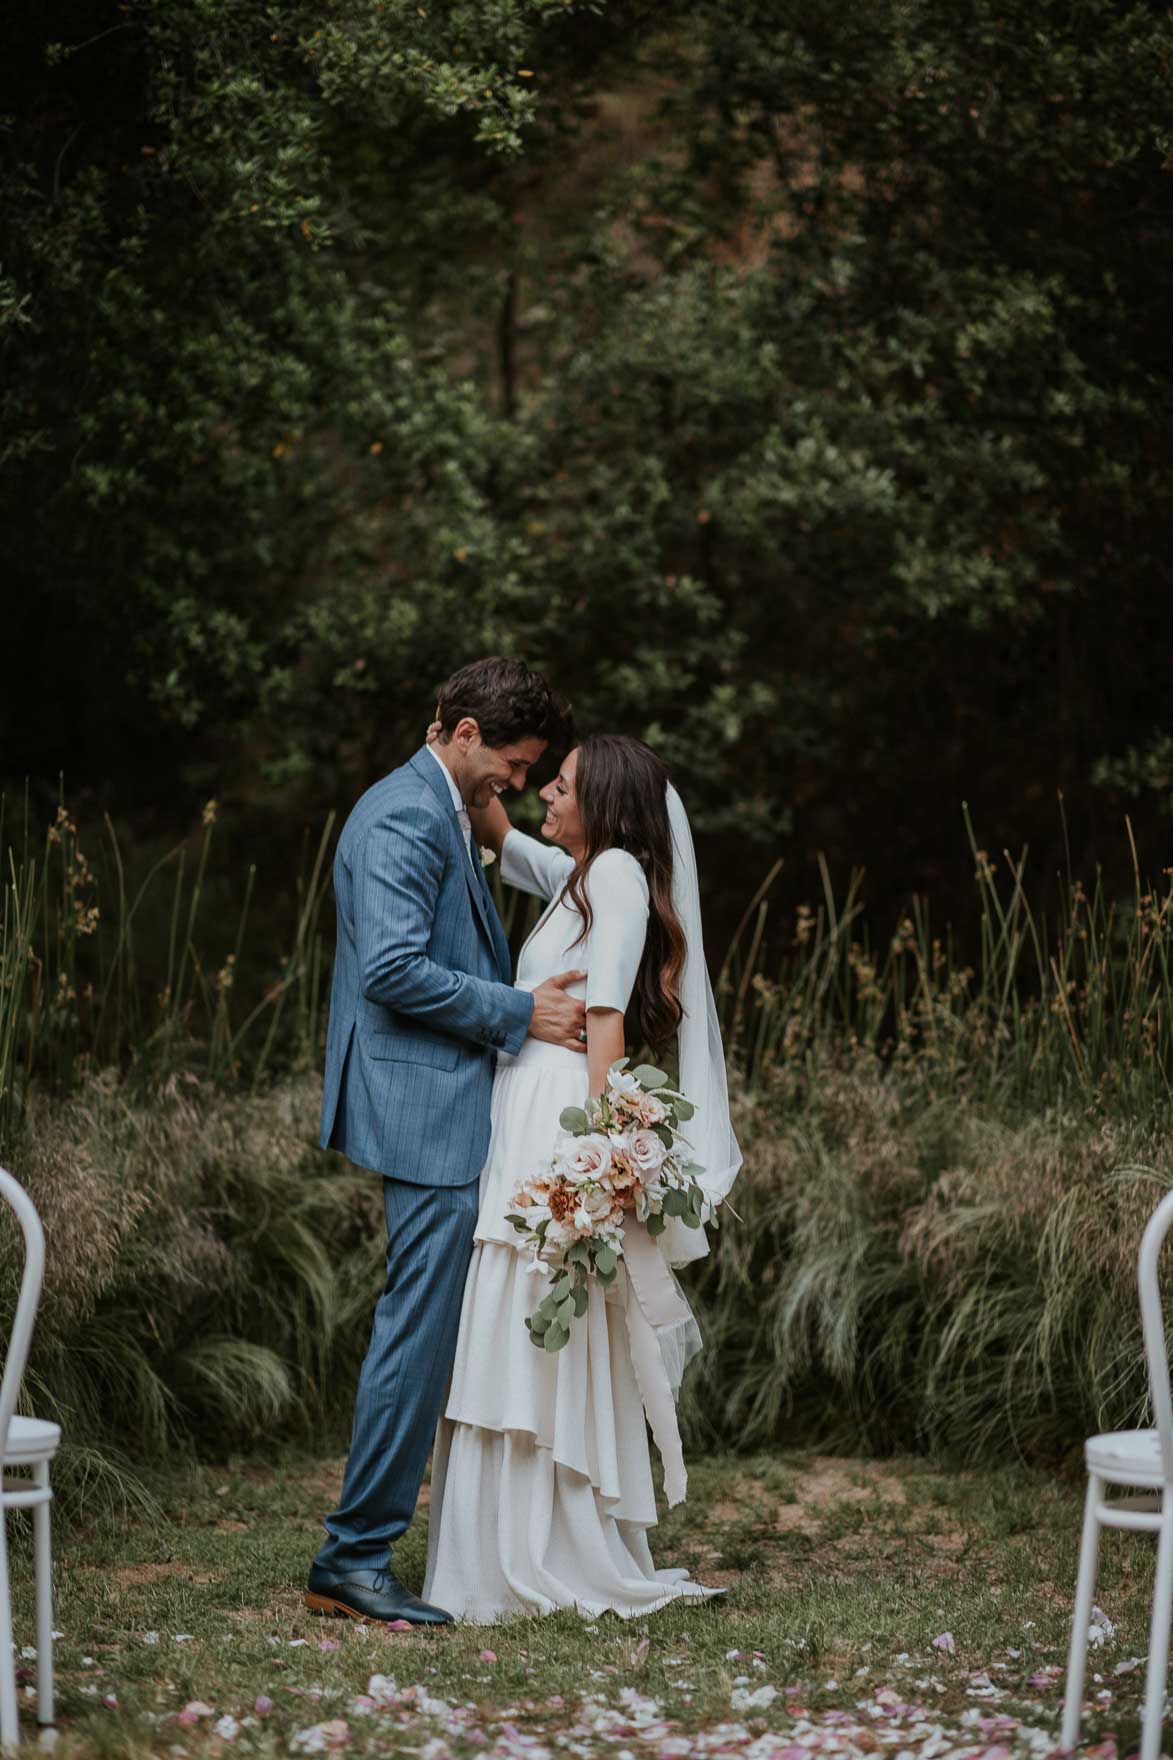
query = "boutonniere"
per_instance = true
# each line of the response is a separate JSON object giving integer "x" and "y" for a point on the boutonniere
{"x": 488, "y": 857}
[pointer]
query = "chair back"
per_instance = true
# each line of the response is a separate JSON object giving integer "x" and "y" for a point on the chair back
{"x": 26, "y": 1307}
{"x": 1152, "y": 1322}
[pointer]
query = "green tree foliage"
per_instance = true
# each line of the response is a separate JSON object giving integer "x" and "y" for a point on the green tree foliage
{"x": 948, "y": 516}
{"x": 217, "y": 217}
{"x": 791, "y": 380}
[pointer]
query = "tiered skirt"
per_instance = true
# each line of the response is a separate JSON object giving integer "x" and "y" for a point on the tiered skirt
{"x": 542, "y": 1490}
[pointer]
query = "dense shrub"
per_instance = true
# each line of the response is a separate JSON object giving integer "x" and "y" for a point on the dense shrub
{"x": 920, "y": 1271}
{"x": 947, "y": 1173}
{"x": 904, "y": 1272}
{"x": 210, "y": 1274}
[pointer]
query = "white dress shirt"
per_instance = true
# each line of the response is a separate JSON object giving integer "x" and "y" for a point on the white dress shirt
{"x": 457, "y": 800}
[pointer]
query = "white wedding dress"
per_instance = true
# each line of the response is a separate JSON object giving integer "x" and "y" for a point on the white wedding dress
{"x": 541, "y": 1492}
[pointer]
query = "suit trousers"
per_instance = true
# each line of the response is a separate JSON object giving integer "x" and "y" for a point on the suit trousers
{"x": 404, "y": 1378}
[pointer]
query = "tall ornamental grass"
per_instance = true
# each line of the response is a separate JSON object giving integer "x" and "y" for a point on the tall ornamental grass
{"x": 949, "y": 1161}
{"x": 210, "y": 1274}
{"x": 99, "y": 972}
{"x": 949, "y": 1166}
{"x": 1071, "y": 1008}
{"x": 919, "y": 1270}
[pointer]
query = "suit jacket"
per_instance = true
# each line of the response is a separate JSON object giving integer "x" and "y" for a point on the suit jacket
{"x": 422, "y": 998}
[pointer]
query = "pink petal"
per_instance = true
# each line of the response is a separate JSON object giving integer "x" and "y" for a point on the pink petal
{"x": 487, "y": 1656}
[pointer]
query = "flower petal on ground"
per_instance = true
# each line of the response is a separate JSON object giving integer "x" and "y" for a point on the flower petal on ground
{"x": 321, "y": 1738}
{"x": 755, "y": 1699}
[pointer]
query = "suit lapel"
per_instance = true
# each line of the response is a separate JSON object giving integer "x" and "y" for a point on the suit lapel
{"x": 425, "y": 763}
{"x": 500, "y": 939}
{"x": 478, "y": 890}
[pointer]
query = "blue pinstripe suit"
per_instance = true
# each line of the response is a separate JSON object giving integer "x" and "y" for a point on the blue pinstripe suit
{"x": 421, "y": 1001}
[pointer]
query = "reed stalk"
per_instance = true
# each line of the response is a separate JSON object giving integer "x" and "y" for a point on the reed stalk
{"x": 76, "y": 991}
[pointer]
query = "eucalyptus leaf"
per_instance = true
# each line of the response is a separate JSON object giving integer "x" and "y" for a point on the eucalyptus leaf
{"x": 649, "y": 1075}
{"x": 579, "y": 1297}
{"x": 675, "y": 1202}
{"x": 556, "y": 1337}
{"x": 656, "y": 1223}
{"x": 574, "y": 1120}
{"x": 605, "y": 1260}
{"x": 690, "y": 1219}
{"x": 566, "y": 1312}
{"x": 684, "y": 1109}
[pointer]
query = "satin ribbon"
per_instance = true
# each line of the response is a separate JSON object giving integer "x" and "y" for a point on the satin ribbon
{"x": 658, "y": 1303}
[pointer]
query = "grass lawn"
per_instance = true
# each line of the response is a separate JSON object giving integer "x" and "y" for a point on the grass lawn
{"x": 187, "y": 1636}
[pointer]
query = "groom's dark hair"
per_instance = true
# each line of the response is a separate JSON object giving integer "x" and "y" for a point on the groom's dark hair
{"x": 506, "y": 700}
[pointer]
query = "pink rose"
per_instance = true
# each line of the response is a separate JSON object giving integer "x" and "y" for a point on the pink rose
{"x": 646, "y": 1154}
{"x": 586, "y": 1158}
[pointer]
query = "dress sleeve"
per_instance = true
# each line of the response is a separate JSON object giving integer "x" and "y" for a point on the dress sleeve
{"x": 618, "y": 896}
{"x": 534, "y": 866}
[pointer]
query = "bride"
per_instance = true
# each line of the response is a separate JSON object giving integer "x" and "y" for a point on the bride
{"x": 542, "y": 1489}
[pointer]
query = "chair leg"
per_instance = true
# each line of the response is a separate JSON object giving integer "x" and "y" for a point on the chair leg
{"x": 1162, "y": 1616}
{"x": 1085, "y": 1588}
{"x": 43, "y": 1554}
{"x": 9, "y": 1717}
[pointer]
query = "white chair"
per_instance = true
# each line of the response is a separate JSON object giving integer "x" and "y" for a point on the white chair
{"x": 1141, "y": 1460}
{"x": 28, "y": 1444}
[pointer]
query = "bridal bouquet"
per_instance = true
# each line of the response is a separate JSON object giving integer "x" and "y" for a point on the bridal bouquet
{"x": 620, "y": 1155}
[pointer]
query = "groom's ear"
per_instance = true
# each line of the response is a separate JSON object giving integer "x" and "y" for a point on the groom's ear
{"x": 467, "y": 732}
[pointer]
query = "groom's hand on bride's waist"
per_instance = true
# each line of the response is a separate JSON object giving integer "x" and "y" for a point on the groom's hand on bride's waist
{"x": 558, "y": 1018}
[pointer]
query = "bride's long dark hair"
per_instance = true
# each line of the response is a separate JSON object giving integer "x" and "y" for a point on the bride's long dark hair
{"x": 619, "y": 787}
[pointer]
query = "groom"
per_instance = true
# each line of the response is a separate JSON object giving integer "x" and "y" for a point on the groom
{"x": 421, "y": 1003}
